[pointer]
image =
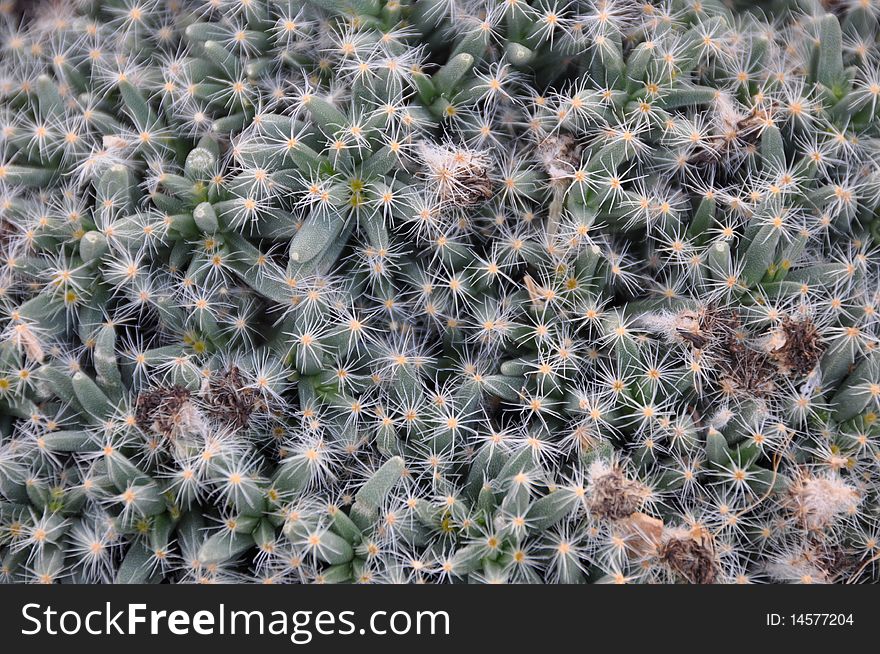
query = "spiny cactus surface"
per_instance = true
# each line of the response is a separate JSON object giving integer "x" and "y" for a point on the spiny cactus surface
{"x": 440, "y": 291}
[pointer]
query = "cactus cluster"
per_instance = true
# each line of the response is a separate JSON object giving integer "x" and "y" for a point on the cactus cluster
{"x": 440, "y": 291}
